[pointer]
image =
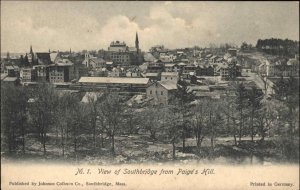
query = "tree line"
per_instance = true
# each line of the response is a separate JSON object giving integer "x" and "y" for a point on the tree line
{"x": 279, "y": 47}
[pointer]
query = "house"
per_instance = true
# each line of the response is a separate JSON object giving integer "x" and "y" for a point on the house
{"x": 213, "y": 59}
{"x": 96, "y": 62}
{"x": 184, "y": 60}
{"x": 169, "y": 67}
{"x": 187, "y": 70}
{"x": 152, "y": 76}
{"x": 10, "y": 80}
{"x": 133, "y": 72}
{"x": 169, "y": 76}
{"x": 161, "y": 92}
{"x": 148, "y": 57}
{"x": 93, "y": 62}
{"x": 42, "y": 73}
{"x": 10, "y": 71}
{"x": 219, "y": 60}
{"x": 203, "y": 70}
{"x": 232, "y": 52}
{"x": 116, "y": 72}
{"x": 222, "y": 70}
{"x": 155, "y": 67}
{"x": 293, "y": 67}
{"x": 62, "y": 71}
{"x": 166, "y": 58}
{"x": 28, "y": 74}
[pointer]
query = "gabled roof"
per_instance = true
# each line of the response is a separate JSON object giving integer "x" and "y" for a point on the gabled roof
{"x": 220, "y": 59}
{"x": 97, "y": 60}
{"x": 209, "y": 55}
{"x": 213, "y": 57}
{"x": 9, "y": 67}
{"x": 44, "y": 57}
{"x": 63, "y": 62}
{"x": 149, "y": 57}
{"x": 169, "y": 85}
{"x": 3, "y": 76}
{"x": 151, "y": 74}
{"x": 10, "y": 79}
{"x": 169, "y": 65}
{"x": 53, "y": 56}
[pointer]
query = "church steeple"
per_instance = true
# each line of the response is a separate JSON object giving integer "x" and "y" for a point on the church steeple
{"x": 32, "y": 58}
{"x": 137, "y": 41}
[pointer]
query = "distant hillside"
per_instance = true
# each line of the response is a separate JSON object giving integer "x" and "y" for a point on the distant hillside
{"x": 17, "y": 55}
{"x": 279, "y": 47}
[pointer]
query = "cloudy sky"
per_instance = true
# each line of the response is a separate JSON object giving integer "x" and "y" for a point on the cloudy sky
{"x": 93, "y": 25}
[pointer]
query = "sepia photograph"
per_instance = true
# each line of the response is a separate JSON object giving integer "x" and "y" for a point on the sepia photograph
{"x": 149, "y": 95}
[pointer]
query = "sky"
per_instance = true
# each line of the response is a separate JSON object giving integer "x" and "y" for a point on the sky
{"x": 79, "y": 25}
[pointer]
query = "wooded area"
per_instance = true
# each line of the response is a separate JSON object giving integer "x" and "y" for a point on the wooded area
{"x": 61, "y": 123}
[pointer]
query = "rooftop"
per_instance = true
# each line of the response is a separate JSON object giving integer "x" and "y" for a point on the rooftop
{"x": 10, "y": 79}
{"x": 113, "y": 80}
{"x": 169, "y": 65}
{"x": 169, "y": 85}
{"x": 169, "y": 74}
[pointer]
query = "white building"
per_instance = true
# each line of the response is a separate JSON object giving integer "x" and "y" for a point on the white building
{"x": 170, "y": 76}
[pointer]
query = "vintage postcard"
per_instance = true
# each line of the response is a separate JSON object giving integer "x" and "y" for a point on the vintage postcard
{"x": 138, "y": 95}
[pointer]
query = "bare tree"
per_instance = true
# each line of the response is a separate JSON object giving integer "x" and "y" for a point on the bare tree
{"x": 152, "y": 120}
{"x": 200, "y": 117}
{"x": 228, "y": 108}
{"x": 43, "y": 111}
{"x": 112, "y": 112}
{"x": 172, "y": 127}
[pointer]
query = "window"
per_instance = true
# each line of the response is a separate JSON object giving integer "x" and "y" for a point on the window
{"x": 171, "y": 78}
{"x": 150, "y": 91}
{"x": 166, "y": 78}
{"x": 162, "y": 93}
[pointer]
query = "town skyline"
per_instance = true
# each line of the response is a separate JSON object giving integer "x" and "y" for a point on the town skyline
{"x": 195, "y": 23}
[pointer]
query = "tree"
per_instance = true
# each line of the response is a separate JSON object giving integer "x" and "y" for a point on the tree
{"x": 207, "y": 118}
{"x": 26, "y": 61}
{"x": 42, "y": 111}
{"x": 241, "y": 106}
{"x": 183, "y": 97}
{"x": 79, "y": 120}
{"x": 172, "y": 126}
{"x": 228, "y": 108}
{"x": 266, "y": 116}
{"x": 93, "y": 104}
{"x": 244, "y": 46}
{"x": 287, "y": 91}
{"x": 112, "y": 112}
{"x": 152, "y": 120}
{"x": 200, "y": 120}
{"x": 64, "y": 114}
{"x": 255, "y": 97}
{"x": 13, "y": 116}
